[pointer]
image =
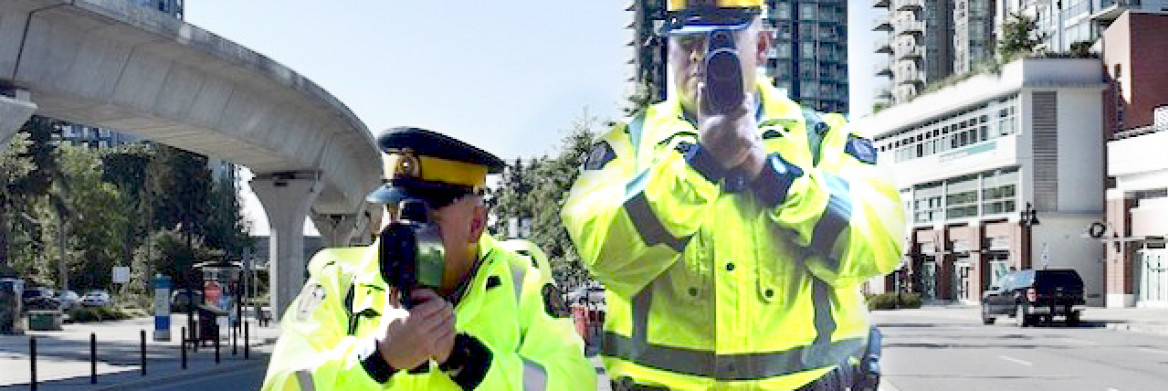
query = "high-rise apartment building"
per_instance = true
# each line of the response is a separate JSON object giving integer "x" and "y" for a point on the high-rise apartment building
{"x": 809, "y": 58}
{"x": 1065, "y": 22}
{"x": 973, "y": 38}
{"x": 172, "y": 7}
{"x": 647, "y": 72}
{"x": 918, "y": 54}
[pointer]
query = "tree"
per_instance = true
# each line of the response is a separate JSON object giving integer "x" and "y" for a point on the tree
{"x": 225, "y": 228}
{"x": 510, "y": 200}
{"x": 13, "y": 165}
{"x": 29, "y": 166}
{"x": 1020, "y": 37}
{"x": 550, "y": 181}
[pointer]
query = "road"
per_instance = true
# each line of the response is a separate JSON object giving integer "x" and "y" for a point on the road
{"x": 249, "y": 377}
{"x": 949, "y": 349}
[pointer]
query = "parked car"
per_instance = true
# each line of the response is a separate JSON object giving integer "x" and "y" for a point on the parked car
{"x": 68, "y": 299}
{"x": 180, "y": 302}
{"x": 1032, "y": 295}
{"x": 95, "y": 298}
{"x": 34, "y": 293}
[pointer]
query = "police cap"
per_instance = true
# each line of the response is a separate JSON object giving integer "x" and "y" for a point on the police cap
{"x": 419, "y": 163}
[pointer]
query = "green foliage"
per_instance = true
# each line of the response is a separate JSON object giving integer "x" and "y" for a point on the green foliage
{"x": 893, "y": 300}
{"x": 103, "y": 313}
{"x": 166, "y": 252}
{"x": 538, "y": 191}
{"x": 1020, "y": 37}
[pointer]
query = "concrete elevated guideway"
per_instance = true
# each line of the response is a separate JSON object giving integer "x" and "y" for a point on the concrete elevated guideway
{"x": 118, "y": 65}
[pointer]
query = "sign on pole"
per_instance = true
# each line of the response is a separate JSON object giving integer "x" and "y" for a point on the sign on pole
{"x": 161, "y": 308}
{"x": 121, "y": 274}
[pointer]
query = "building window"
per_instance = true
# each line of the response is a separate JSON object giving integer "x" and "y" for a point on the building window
{"x": 961, "y": 198}
{"x": 999, "y": 191}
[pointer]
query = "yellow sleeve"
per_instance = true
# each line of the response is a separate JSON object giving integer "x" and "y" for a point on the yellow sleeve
{"x": 629, "y": 221}
{"x": 314, "y": 346}
{"x": 845, "y": 211}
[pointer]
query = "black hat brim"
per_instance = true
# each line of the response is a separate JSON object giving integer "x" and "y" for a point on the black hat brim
{"x": 436, "y": 196}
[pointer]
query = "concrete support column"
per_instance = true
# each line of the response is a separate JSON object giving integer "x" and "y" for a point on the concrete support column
{"x": 336, "y": 230}
{"x": 14, "y": 112}
{"x": 287, "y": 198}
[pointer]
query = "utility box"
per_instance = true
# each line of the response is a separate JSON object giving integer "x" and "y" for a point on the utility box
{"x": 45, "y": 320}
{"x": 11, "y": 289}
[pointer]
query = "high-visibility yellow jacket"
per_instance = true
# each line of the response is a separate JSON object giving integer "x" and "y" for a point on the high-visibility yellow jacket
{"x": 333, "y": 321}
{"x": 713, "y": 282}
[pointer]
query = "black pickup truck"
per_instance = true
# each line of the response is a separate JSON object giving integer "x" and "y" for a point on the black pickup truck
{"x": 1032, "y": 295}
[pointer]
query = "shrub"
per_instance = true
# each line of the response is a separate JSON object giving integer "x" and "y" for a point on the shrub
{"x": 98, "y": 314}
{"x": 891, "y": 300}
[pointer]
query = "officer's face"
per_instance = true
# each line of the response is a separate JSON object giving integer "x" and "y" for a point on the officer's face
{"x": 686, "y": 54}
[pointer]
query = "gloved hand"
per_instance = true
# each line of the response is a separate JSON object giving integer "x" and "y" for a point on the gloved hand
{"x": 732, "y": 138}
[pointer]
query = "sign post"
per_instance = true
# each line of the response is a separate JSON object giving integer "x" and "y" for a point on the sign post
{"x": 161, "y": 308}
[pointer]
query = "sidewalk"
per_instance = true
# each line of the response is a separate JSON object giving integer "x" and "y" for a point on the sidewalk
{"x": 63, "y": 356}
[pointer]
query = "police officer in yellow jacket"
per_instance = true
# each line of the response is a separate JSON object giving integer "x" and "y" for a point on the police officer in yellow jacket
{"x": 732, "y": 245}
{"x": 488, "y": 321}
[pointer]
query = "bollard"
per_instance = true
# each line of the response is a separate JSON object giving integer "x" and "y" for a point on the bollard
{"x": 216, "y": 349}
{"x": 246, "y": 340}
{"x": 183, "y": 343}
{"x": 32, "y": 362}
{"x": 92, "y": 358}
{"x": 234, "y": 338}
{"x": 143, "y": 350}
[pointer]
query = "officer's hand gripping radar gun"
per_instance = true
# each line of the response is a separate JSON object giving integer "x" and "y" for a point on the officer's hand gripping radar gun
{"x": 411, "y": 253}
{"x": 723, "y": 74}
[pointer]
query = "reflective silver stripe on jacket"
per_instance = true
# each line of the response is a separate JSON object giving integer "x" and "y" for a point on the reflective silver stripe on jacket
{"x": 304, "y": 377}
{"x": 646, "y": 223}
{"x": 534, "y": 376}
{"x": 822, "y": 353}
{"x": 836, "y": 217}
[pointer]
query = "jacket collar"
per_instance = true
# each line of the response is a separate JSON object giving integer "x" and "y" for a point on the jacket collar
{"x": 775, "y": 108}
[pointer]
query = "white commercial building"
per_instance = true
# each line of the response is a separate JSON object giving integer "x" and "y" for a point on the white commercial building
{"x": 1003, "y": 170}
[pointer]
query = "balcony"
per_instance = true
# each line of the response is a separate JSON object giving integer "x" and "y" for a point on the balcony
{"x": 882, "y": 68}
{"x": 880, "y": 4}
{"x": 911, "y": 77}
{"x": 915, "y": 27}
{"x": 883, "y": 23}
{"x": 882, "y": 46}
{"x": 910, "y": 53}
{"x": 909, "y": 5}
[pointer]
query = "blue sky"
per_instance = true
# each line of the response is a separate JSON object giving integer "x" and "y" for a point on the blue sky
{"x": 508, "y": 76}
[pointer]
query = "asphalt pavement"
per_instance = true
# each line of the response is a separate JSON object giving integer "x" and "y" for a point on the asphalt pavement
{"x": 948, "y": 348}
{"x": 63, "y": 357}
{"x": 935, "y": 348}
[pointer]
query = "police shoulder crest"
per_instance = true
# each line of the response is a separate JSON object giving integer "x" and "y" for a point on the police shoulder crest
{"x": 599, "y": 156}
{"x": 861, "y": 149}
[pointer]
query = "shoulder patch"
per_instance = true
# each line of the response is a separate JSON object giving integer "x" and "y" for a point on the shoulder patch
{"x": 310, "y": 298}
{"x": 553, "y": 302}
{"x": 599, "y": 156}
{"x": 861, "y": 149}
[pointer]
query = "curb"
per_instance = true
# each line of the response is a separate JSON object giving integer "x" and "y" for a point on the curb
{"x": 1161, "y": 331}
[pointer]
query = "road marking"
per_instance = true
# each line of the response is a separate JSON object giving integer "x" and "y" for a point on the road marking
{"x": 1008, "y": 358}
{"x": 1154, "y": 350}
{"x": 1112, "y": 389}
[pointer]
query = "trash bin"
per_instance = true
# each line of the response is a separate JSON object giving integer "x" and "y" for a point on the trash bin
{"x": 45, "y": 320}
{"x": 10, "y": 309}
{"x": 208, "y": 323}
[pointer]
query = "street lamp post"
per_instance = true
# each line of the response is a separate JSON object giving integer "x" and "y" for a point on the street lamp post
{"x": 1028, "y": 218}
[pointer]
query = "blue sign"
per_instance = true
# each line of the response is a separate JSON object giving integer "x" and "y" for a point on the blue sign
{"x": 161, "y": 308}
